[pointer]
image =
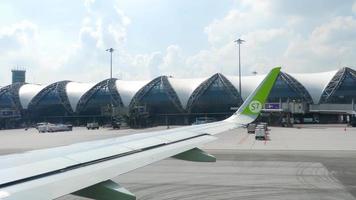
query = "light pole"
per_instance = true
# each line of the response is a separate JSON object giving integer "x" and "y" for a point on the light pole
{"x": 239, "y": 42}
{"x": 111, "y": 50}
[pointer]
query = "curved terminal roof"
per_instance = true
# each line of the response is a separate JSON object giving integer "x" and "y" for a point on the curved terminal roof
{"x": 75, "y": 91}
{"x": 27, "y": 92}
{"x": 248, "y": 83}
{"x": 45, "y": 96}
{"x": 106, "y": 88}
{"x": 11, "y": 93}
{"x": 185, "y": 87}
{"x": 315, "y": 83}
{"x": 215, "y": 94}
{"x": 128, "y": 89}
{"x": 159, "y": 86}
{"x": 340, "y": 87}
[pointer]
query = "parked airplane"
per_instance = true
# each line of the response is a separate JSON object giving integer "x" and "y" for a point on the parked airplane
{"x": 85, "y": 169}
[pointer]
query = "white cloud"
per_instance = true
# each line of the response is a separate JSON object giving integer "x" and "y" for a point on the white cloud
{"x": 263, "y": 46}
{"x": 329, "y": 46}
{"x": 316, "y": 37}
{"x": 19, "y": 48}
{"x": 235, "y": 24}
{"x": 306, "y": 8}
{"x": 339, "y": 29}
{"x": 17, "y": 36}
{"x": 88, "y": 4}
{"x": 172, "y": 60}
{"x": 104, "y": 27}
{"x": 153, "y": 64}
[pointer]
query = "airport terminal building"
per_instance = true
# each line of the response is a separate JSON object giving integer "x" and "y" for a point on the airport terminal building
{"x": 326, "y": 97}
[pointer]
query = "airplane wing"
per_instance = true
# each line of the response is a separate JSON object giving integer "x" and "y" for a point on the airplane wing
{"x": 85, "y": 169}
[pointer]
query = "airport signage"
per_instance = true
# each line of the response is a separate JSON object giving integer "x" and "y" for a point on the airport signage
{"x": 272, "y": 106}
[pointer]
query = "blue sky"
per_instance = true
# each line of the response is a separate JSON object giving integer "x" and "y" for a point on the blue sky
{"x": 66, "y": 40}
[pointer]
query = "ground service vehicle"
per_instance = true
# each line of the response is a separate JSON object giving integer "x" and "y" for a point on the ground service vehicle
{"x": 48, "y": 127}
{"x": 93, "y": 125}
{"x": 251, "y": 128}
{"x": 260, "y": 132}
{"x": 116, "y": 124}
{"x": 59, "y": 127}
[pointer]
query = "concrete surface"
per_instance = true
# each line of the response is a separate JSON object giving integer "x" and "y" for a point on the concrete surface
{"x": 19, "y": 140}
{"x": 314, "y": 162}
{"x": 307, "y": 138}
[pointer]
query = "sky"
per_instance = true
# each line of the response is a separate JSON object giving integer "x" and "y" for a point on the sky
{"x": 66, "y": 40}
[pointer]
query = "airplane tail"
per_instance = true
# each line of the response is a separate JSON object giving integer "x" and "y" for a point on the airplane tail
{"x": 252, "y": 106}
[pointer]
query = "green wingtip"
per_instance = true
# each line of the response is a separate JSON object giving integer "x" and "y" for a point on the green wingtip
{"x": 253, "y": 104}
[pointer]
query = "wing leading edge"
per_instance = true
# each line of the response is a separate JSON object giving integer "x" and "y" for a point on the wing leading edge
{"x": 51, "y": 173}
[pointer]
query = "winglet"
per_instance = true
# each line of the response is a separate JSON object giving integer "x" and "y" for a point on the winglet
{"x": 252, "y": 106}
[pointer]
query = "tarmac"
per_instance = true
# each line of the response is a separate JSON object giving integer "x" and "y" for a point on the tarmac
{"x": 308, "y": 162}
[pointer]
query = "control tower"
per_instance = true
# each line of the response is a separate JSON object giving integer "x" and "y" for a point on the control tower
{"x": 18, "y": 75}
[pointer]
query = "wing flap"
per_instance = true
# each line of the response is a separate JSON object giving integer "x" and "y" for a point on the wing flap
{"x": 145, "y": 143}
{"x": 95, "y": 154}
{"x": 177, "y": 136}
{"x": 14, "y": 174}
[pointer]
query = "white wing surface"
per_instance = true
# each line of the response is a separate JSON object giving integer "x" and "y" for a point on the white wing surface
{"x": 86, "y": 168}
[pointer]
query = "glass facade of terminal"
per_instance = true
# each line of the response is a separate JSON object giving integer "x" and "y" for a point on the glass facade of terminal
{"x": 345, "y": 92}
{"x": 157, "y": 101}
{"x": 8, "y": 110}
{"x": 6, "y": 101}
{"x": 98, "y": 103}
{"x": 284, "y": 92}
{"x": 9, "y": 103}
{"x": 49, "y": 106}
{"x": 216, "y": 98}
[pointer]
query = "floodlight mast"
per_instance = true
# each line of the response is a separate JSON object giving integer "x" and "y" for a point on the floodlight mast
{"x": 239, "y": 42}
{"x": 111, "y": 50}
